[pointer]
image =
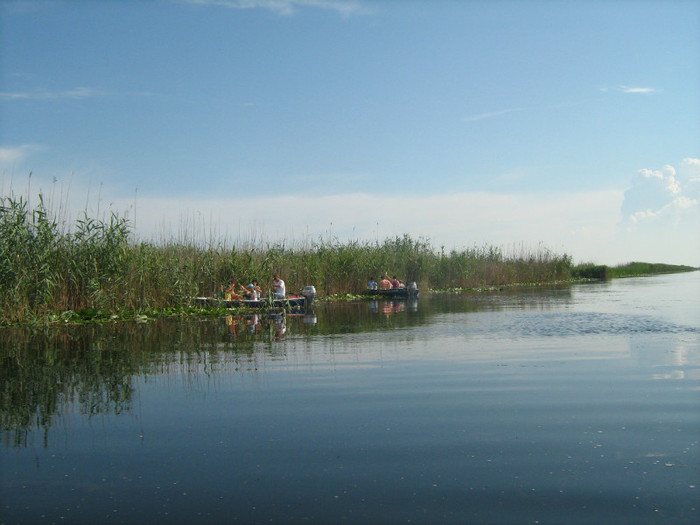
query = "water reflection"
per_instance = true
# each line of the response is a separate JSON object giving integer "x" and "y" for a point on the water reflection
{"x": 567, "y": 404}
{"x": 388, "y": 307}
{"x": 255, "y": 324}
{"x": 92, "y": 368}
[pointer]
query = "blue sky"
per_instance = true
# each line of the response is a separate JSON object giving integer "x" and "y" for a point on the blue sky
{"x": 569, "y": 125}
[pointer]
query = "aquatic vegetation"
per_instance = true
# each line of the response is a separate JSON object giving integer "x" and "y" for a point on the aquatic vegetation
{"x": 633, "y": 269}
{"x": 640, "y": 268}
{"x": 591, "y": 271}
{"x": 95, "y": 270}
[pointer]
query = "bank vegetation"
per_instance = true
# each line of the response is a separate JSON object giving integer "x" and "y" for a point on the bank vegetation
{"x": 94, "y": 268}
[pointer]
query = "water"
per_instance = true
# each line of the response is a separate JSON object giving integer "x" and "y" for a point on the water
{"x": 572, "y": 404}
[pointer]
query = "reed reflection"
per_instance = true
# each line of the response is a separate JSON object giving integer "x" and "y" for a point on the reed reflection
{"x": 91, "y": 368}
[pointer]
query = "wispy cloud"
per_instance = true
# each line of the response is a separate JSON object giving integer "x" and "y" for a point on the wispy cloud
{"x": 77, "y": 93}
{"x": 642, "y": 90}
{"x": 287, "y": 7}
{"x": 482, "y": 116}
{"x": 14, "y": 154}
{"x": 70, "y": 94}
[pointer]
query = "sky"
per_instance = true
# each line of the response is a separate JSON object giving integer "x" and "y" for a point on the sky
{"x": 570, "y": 127}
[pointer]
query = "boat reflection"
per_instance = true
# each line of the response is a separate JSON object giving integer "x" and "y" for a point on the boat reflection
{"x": 272, "y": 323}
{"x": 393, "y": 307}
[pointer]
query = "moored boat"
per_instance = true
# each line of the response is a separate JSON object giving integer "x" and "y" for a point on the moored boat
{"x": 293, "y": 301}
{"x": 303, "y": 300}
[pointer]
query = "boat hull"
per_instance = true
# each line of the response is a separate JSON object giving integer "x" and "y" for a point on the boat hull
{"x": 392, "y": 293}
{"x": 288, "y": 303}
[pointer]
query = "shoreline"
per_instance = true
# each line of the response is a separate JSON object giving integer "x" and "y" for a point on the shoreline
{"x": 53, "y": 272}
{"x": 185, "y": 312}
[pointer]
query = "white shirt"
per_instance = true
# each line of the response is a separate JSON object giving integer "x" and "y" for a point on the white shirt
{"x": 278, "y": 288}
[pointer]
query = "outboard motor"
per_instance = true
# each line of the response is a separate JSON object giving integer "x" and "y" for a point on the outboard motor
{"x": 412, "y": 289}
{"x": 310, "y": 293}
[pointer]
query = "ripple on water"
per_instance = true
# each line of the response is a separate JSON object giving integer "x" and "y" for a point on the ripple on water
{"x": 563, "y": 324}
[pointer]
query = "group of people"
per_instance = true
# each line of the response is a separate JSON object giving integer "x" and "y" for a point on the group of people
{"x": 252, "y": 291}
{"x": 385, "y": 283}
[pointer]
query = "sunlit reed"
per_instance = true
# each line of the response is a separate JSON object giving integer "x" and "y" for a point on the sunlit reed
{"x": 96, "y": 266}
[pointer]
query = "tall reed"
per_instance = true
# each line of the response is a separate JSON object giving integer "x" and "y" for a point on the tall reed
{"x": 95, "y": 266}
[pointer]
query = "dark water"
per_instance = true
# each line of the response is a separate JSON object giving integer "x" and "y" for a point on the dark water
{"x": 576, "y": 404}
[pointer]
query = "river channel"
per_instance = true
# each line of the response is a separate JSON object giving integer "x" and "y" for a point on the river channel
{"x": 566, "y": 404}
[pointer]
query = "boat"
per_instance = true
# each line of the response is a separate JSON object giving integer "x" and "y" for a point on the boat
{"x": 293, "y": 301}
{"x": 394, "y": 293}
{"x": 303, "y": 300}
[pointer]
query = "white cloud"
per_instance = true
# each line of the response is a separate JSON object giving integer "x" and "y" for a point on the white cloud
{"x": 11, "y": 156}
{"x": 661, "y": 210}
{"x": 642, "y": 90}
{"x": 664, "y": 193}
{"x": 689, "y": 176}
{"x": 287, "y": 7}
{"x": 77, "y": 93}
{"x": 482, "y": 116}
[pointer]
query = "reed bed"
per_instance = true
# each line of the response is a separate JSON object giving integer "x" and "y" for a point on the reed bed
{"x": 50, "y": 270}
{"x": 636, "y": 269}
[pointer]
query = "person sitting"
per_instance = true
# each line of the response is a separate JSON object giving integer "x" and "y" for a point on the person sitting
{"x": 278, "y": 288}
{"x": 249, "y": 292}
{"x": 372, "y": 284}
{"x": 230, "y": 292}
{"x": 395, "y": 283}
{"x": 252, "y": 291}
{"x": 257, "y": 289}
{"x": 385, "y": 283}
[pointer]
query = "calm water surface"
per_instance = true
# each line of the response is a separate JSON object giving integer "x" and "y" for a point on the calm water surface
{"x": 575, "y": 404}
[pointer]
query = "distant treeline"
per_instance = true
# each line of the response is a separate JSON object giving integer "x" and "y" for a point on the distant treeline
{"x": 52, "y": 271}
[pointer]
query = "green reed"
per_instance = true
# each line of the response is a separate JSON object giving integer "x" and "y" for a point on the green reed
{"x": 635, "y": 269}
{"x": 95, "y": 268}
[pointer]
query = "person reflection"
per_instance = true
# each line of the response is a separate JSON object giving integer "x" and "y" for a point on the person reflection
{"x": 252, "y": 323}
{"x": 279, "y": 326}
{"x": 232, "y": 324}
